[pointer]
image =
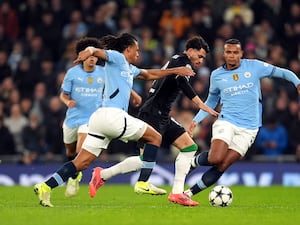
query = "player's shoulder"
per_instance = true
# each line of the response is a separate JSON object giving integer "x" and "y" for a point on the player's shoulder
{"x": 218, "y": 70}
{"x": 252, "y": 61}
{"x": 74, "y": 70}
{"x": 179, "y": 60}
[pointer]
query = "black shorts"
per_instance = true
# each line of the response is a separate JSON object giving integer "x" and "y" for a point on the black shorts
{"x": 167, "y": 127}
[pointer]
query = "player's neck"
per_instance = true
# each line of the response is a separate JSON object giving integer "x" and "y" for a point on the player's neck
{"x": 231, "y": 66}
{"x": 89, "y": 69}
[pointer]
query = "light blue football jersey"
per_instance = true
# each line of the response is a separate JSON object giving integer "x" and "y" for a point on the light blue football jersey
{"x": 86, "y": 88}
{"x": 118, "y": 80}
{"x": 239, "y": 92}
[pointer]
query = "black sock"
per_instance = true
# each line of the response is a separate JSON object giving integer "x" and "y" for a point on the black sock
{"x": 62, "y": 175}
{"x": 210, "y": 177}
{"x": 202, "y": 159}
{"x": 149, "y": 158}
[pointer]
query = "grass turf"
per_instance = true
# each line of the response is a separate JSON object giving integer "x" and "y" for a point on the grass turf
{"x": 118, "y": 204}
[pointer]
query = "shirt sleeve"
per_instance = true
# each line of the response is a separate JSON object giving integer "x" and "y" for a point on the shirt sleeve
{"x": 185, "y": 86}
{"x": 211, "y": 101}
{"x": 286, "y": 74}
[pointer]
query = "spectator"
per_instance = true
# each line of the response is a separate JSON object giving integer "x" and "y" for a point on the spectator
{"x": 272, "y": 138}
{"x": 55, "y": 115}
{"x": 9, "y": 20}
{"x": 7, "y": 144}
{"x": 15, "y": 56}
{"x": 241, "y": 8}
{"x": 25, "y": 78}
{"x": 33, "y": 136}
{"x": 75, "y": 28}
{"x": 174, "y": 19}
{"x": 5, "y": 70}
{"x": 98, "y": 27}
{"x": 50, "y": 32}
{"x": 15, "y": 124}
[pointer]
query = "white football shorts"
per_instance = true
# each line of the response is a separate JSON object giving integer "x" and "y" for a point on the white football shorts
{"x": 109, "y": 123}
{"x": 70, "y": 134}
{"x": 238, "y": 139}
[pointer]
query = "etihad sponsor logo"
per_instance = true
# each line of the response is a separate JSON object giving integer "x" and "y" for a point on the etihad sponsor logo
{"x": 241, "y": 87}
{"x": 87, "y": 90}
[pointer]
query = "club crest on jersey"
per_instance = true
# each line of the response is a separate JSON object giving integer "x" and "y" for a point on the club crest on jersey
{"x": 247, "y": 74}
{"x": 235, "y": 77}
{"x": 99, "y": 80}
{"x": 90, "y": 80}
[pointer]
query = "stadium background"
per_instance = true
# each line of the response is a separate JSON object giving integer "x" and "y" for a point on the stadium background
{"x": 37, "y": 39}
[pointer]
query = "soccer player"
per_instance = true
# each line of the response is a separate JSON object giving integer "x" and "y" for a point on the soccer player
{"x": 111, "y": 121}
{"x": 155, "y": 111}
{"x": 237, "y": 85}
{"x": 82, "y": 90}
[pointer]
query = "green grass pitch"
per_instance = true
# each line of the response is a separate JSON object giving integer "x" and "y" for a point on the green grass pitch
{"x": 118, "y": 204}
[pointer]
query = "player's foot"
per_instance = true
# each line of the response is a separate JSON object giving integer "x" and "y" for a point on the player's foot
{"x": 73, "y": 185}
{"x": 182, "y": 199}
{"x": 96, "y": 181}
{"x": 43, "y": 191}
{"x": 142, "y": 187}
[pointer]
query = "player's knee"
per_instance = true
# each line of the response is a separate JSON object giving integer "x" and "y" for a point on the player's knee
{"x": 215, "y": 159}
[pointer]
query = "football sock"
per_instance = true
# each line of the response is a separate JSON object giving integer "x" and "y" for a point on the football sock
{"x": 201, "y": 160}
{"x": 148, "y": 163}
{"x": 129, "y": 164}
{"x": 210, "y": 177}
{"x": 62, "y": 175}
{"x": 182, "y": 167}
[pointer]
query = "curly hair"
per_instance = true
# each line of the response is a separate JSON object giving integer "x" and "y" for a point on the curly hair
{"x": 83, "y": 43}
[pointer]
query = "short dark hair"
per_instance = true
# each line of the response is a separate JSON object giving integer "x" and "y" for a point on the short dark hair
{"x": 85, "y": 42}
{"x": 197, "y": 42}
{"x": 233, "y": 41}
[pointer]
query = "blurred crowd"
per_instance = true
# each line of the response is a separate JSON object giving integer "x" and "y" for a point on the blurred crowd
{"x": 37, "y": 40}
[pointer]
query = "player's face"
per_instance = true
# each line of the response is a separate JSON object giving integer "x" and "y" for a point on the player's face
{"x": 232, "y": 55}
{"x": 90, "y": 62}
{"x": 196, "y": 57}
{"x": 132, "y": 53}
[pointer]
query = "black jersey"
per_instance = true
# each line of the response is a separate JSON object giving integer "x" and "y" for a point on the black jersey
{"x": 164, "y": 91}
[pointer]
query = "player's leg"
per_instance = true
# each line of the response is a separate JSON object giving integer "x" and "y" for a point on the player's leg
{"x": 212, "y": 175}
{"x": 43, "y": 190}
{"x": 72, "y": 187}
{"x": 222, "y": 155}
{"x": 100, "y": 175}
{"x": 187, "y": 149}
{"x": 91, "y": 148}
{"x": 152, "y": 141}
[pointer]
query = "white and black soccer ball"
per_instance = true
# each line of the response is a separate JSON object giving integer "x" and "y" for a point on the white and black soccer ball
{"x": 220, "y": 195}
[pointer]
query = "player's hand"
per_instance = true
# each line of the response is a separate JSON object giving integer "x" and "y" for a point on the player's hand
{"x": 185, "y": 71}
{"x": 191, "y": 128}
{"x": 212, "y": 112}
{"x": 136, "y": 101}
{"x": 82, "y": 56}
{"x": 71, "y": 103}
{"x": 298, "y": 88}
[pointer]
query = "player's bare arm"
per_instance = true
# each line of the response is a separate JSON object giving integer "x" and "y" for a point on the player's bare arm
{"x": 135, "y": 99}
{"x": 65, "y": 98}
{"x": 204, "y": 107}
{"x": 83, "y": 55}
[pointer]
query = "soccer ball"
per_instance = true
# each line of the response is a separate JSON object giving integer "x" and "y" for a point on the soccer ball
{"x": 220, "y": 195}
